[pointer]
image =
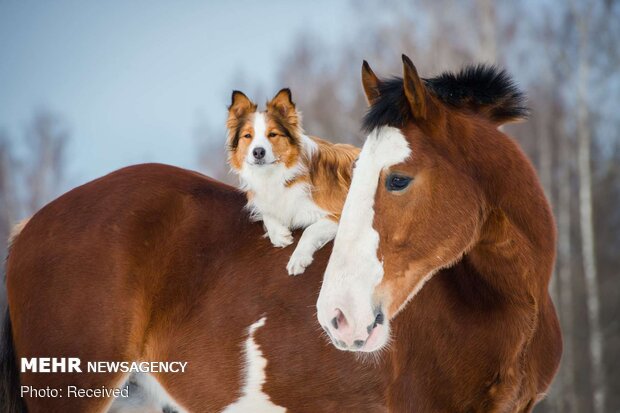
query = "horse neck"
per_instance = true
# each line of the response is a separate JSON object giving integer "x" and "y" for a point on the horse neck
{"x": 516, "y": 249}
{"x": 507, "y": 260}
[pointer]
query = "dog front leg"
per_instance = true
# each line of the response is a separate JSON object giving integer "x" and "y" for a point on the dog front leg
{"x": 313, "y": 239}
{"x": 279, "y": 235}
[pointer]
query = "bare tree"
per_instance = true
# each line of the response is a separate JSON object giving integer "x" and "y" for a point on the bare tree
{"x": 31, "y": 177}
{"x": 43, "y": 167}
{"x": 584, "y": 142}
{"x": 7, "y": 193}
{"x": 488, "y": 30}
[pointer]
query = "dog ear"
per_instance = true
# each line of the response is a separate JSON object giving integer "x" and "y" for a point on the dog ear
{"x": 241, "y": 105}
{"x": 282, "y": 102}
{"x": 282, "y": 106}
{"x": 370, "y": 82}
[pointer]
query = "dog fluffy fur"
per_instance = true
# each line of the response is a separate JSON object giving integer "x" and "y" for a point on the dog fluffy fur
{"x": 291, "y": 180}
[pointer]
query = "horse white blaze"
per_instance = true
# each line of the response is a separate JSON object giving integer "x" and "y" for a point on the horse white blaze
{"x": 253, "y": 399}
{"x": 354, "y": 270}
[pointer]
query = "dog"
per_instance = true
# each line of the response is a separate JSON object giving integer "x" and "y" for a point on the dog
{"x": 292, "y": 180}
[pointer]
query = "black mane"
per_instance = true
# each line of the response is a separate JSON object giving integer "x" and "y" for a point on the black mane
{"x": 482, "y": 89}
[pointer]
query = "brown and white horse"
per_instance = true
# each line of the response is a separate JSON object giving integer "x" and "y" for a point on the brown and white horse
{"x": 156, "y": 263}
{"x": 445, "y": 218}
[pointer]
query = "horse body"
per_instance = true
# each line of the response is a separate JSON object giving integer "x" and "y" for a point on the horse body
{"x": 461, "y": 358}
{"x": 157, "y": 263}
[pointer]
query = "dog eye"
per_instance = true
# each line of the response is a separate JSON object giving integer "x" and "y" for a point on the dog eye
{"x": 271, "y": 135}
{"x": 247, "y": 136}
{"x": 395, "y": 182}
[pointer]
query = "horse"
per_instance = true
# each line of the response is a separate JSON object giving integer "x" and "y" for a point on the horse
{"x": 154, "y": 263}
{"x": 446, "y": 231}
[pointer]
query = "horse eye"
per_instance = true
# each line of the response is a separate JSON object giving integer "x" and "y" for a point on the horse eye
{"x": 271, "y": 135}
{"x": 247, "y": 136}
{"x": 395, "y": 183}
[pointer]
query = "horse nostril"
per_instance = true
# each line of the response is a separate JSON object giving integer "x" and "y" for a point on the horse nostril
{"x": 340, "y": 320}
{"x": 378, "y": 320}
{"x": 259, "y": 152}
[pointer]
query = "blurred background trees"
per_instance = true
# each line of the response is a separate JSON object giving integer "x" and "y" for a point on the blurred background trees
{"x": 564, "y": 54}
{"x": 32, "y": 171}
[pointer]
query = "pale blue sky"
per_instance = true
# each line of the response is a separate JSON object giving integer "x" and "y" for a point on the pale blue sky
{"x": 132, "y": 78}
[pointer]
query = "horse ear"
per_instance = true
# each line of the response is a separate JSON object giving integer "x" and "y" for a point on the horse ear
{"x": 240, "y": 105}
{"x": 415, "y": 91}
{"x": 282, "y": 102}
{"x": 370, "y": 82}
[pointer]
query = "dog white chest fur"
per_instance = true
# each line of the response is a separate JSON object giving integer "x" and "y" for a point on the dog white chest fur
{"x": 283, "y": 206}
{"x": 274, "y": 198}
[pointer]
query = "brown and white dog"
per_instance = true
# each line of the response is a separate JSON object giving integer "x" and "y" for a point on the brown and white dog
{"x": 291, "y": 180}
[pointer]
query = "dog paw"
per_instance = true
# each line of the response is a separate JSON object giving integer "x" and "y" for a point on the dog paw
{"x": 280, "y": 238}
{"x": 298, "y": 263}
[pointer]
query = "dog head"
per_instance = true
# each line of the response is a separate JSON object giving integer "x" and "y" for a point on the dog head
{"x": 263, "y": 140}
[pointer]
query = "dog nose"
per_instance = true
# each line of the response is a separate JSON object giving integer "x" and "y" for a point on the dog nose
{"x": 259, "y": 152}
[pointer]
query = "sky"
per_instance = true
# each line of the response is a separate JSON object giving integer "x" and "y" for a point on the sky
{"x": 132, "y": 79}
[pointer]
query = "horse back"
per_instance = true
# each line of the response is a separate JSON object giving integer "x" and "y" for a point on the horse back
{"x": 158, "y": 263}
